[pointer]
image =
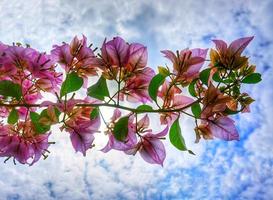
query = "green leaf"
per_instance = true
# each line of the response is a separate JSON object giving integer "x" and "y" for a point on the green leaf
{"x": 204, "y": 76}
{"x": 143, "y": 107}
{"x": 72, "y": 83}
{"x": 192, "y": 88}
{"x": 10, "y": 89}
{"x": 155, "y": 83}
{"x": 99, "y": 90}
{"x": 95, "y": 113}
{"x": 176, "y": 137}
{"x": 252, "y": 78}
{"x": 196, "y": 110}
{"x": 34, "y": 116}
{"x": 39, "y": 128}
{"x": 121, "y": 129}
{"x": 216, "y": 77}
{"x": 13, "y": 116}
{"x": 228, "y": 80}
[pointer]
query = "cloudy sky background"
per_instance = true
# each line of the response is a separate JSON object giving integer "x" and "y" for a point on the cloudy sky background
{"x": 220, "y": 170}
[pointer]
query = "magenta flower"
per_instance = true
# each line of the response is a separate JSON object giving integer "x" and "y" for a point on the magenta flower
{"x": 186, "y": 64}
{"x": 82, "y": 134}
{"x": 150, "y": 147}
{"x": 172, "y": 99}
{"x": 127, "y": 63}
{"x": 22, "y": 147}
{"x": 76, "y": 57}
{"x": 229, "y": 57}
{"x": 136, "y": 87}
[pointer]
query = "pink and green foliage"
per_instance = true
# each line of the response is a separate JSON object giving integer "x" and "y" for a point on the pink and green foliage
{"x": 206, "y": 89}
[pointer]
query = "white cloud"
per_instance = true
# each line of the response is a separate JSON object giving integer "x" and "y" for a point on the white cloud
{"x": 218, "y": 171}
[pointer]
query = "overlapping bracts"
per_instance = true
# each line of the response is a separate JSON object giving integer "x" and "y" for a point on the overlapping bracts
{"x": 207, "y": 89}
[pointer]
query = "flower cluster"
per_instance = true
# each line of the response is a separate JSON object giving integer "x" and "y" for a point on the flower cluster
{"x": 206, "y": 89}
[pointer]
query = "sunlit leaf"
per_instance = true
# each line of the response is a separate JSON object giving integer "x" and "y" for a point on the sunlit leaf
{"x": 155, "y": 83}
{"x": 121, "y": 129}
{"x": 176, "y": 136}
{"x": 13, "y": 116}
{"x": 72, "y": 83}
{"x": 10, "y": 89}
{"x": 99, "y": 90}
{"x": 252, "y": 78}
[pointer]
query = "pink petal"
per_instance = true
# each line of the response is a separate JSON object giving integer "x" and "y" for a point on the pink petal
{"x": 117, "y": 49}
{"x": 116, "y": 115}
{"x": 197, "y": 52}
{"x": 237, "y": 46}
{"x": 62, "y": 55}
{"x": 181, "y": 101}
{"x": 138, "y": 56}
{"x": 82, "y": 136}
{"x": 81, "y": 142}
{"x": 153, "y": 151}
{"x": 170, "y": 55}
{"x": 144, "y": 122}
{"x": 162, "y": 133}
{"x": 224, "y": 128}
{"x": 221, "y": 46}
{"x": 39, "y": 144}
{"x": 22, "y": 152}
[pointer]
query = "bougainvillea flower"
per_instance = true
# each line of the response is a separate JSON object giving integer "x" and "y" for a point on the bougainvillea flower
{"x": 126, "y": 63}
{"x": 22, "y": 145}
{"x": 30, "y": 93}
{"x": 82, "y": 135}
{"x": 43, "y": 67}
{"x": 221, "y": 127}
{"x": 62, "y": 55}
{"x": 152, "y": 150}
{"x": 167, "y": 92}
{"x": 130, "y": 140}
{"x": 136, "y": 87}
{"x": 179, "y": 102}
{"x": 150, "y": 147}
{"x": 117, "y": 56}
{"x": 187, "y": 63}
{"x": 76, "y": 57}
{"x": 4, "y": 111}
{"x": 23, "y": 65}
{"x": 172, "y": 99}
{"x": 203, "y": 130}
{"x": 213, "y": 102}
{"x": 81, "y": 128}
{"x": 229, "y": 57}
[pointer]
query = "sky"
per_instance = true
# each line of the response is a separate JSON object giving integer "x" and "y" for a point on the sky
{"x": 220, "y": 170}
